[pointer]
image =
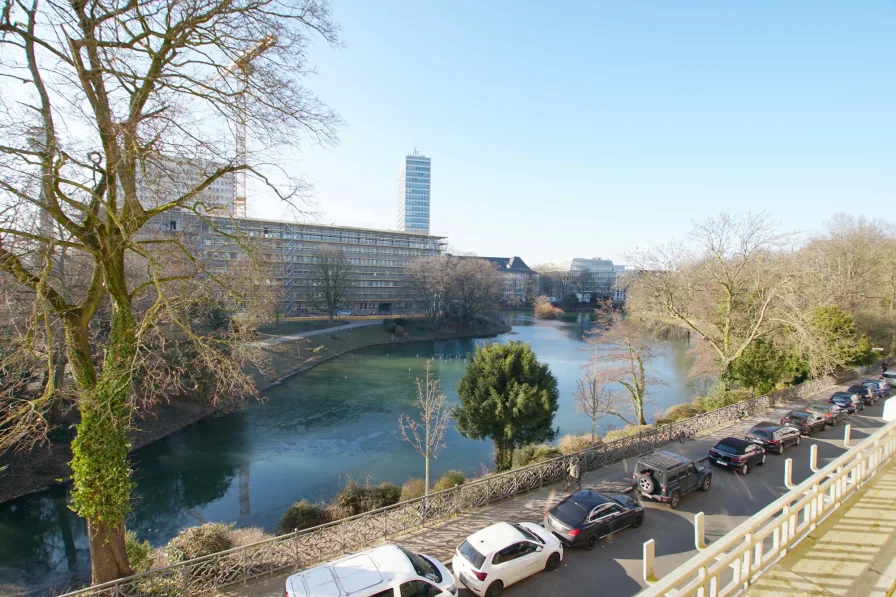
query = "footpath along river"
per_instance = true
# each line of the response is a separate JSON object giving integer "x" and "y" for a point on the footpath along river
{"x": 309, "y": 435}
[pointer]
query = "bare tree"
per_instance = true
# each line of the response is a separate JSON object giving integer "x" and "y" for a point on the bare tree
{"x": 427, "y": 432}
{"x": 331, "y": 278}
{"x": 595, "y": 398}
{"x": 475, "y": 290}
{"x": 113, "y": 93}
{"x": 626, "y": 345}
{"x": 431, "y": 278}
{"x": 724, "y": 290}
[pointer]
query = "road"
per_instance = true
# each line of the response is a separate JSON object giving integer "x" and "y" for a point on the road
{"x": 280, "y": 339}
{"x": 614, "y": 568}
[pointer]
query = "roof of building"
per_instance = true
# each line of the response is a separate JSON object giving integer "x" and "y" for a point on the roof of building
{"x": 508, "y": 264}
{"x": 579, "y": 264}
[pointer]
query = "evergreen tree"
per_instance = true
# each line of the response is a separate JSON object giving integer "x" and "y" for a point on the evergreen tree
{"x": 760, "y": 367}
{"x": 508, "y": 396}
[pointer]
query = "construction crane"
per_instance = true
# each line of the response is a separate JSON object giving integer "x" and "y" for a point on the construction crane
{"x": 243, "y": 69}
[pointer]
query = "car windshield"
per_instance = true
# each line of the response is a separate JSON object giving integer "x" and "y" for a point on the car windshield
{"x": 471, "y": 555}
{"x": 422, "y": 566}
{"x": 801, "y": 416}
{"x": 760, "y": 433}
{"x": 527, "y": 533}
{"x": 841, "y": 400}
{"x": 723, "y": 447}
{"x": 569, "y": 512}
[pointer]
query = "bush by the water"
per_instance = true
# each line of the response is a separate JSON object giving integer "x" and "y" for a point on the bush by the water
{"x": 413, "y": 488}
{"x": 401, "y": 321}
{"x": 399, "y": 330}
{"x": 627, "y": 431}
{"x": 449, "y": 480}
{"x": 720, "y": 397}
{"x": 572, "y": 443}
{"x": 301, "y": 515}
{"x": 196, "y": 542}
{"x": 355, "y": 498}
{"x": 390, "y": 328}
{"x": 679, "y": 412}
{"x": 534, "y": 453}
{"x": 139, "y": 552}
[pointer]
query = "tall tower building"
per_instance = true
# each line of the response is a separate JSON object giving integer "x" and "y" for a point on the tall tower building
{"x": 413, "y": 193}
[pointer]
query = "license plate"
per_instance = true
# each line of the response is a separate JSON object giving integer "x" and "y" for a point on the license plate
{"x": 464, "y": 579}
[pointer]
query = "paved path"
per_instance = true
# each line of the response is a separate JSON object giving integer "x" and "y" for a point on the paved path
{"x": 614, "y": 568}
{"x": 853, "y": 552}
{"x": 356, "y": 324}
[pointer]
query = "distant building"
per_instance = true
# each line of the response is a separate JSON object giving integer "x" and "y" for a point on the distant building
{"x": 380, "y": 257}
{"x": 587, "y": 279}
{"x": 518, "y": 281}
{"x": 168, "y": 179}
{"x": 413, "y": 193}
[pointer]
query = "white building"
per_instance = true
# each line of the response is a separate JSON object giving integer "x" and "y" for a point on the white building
{"x": 583, "y": 277}
{"x": 170, "y": 178}
{"x": 413, "y": 193}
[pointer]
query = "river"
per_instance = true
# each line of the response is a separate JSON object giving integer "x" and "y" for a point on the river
{"x": 306, "y": 437}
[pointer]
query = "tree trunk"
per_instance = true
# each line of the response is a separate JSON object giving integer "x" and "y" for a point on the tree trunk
{"x": 426, "y": 480}
{"x": 503, "y": 457}
{"x": 108, "y": 558}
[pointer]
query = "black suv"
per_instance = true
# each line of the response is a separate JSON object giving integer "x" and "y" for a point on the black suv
{"x": 846, "y": 401}
{"x": 665, "y": 476}
{"x": 807, "y": 423}
{"x": 773, "y": 436}
{"x": 867, "y": 395}
{"x": 737, "y": 454}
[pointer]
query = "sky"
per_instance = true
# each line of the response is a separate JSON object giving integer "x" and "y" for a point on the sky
{"x": 589, "y": 129}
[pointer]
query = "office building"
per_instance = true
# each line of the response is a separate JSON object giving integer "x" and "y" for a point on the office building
{"x": 588, "y": 279}
{"x": 519, "y": 283}
{"x": 380, "y": 284}
{"x": 168, "y": 179}
{"x": 414, "y": 193}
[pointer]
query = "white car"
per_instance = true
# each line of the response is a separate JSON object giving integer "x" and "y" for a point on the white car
{"x": 504, "y": 553}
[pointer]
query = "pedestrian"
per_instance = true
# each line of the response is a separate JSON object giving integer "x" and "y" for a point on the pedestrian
{"x": 883, "y": 366}
{"x": 573, "y": 473}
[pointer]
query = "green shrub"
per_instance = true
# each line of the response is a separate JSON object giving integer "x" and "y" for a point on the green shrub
{"x": 627, "y": 431}
{"x": 679, "y": 412}
{"x": 388, "y": 321}
{"x": 196, "y": 542}
{"x": 401, "y": 321}
{"x": 533, "y": 454}
{"x": 355, "y": 498}
{"x": 449, "y": 480}
{"x": 399, "y": 331}
{"x": 413, "y": 488}
{"x": 301, "y": 515}
{"x": 390, "y": 328}
{"x": 572, "y": 443}
{"x": 139, "y": 552}
{"x": 720, "y": 397}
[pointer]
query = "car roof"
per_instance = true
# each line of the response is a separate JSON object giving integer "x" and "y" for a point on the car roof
{"x": 819, "y": 406}
{"x": 589, "y": 498}
{"x": 736, "y": 442}
{"x": 766, "y": 425}
{"x": 495, "y": 537}
{"x": 797, "y": 413}
{"x": 841, "y": 395}
{"x": 664, "y": 459}
{"x": 354, "y": 573}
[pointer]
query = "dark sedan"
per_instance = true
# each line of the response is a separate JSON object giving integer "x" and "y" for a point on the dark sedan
{"x": 867, "y": 395}
{"x": 832, "y": 413}
{"x": 585, "y": 516}
{"x": 807, "y": 423}
{"x": 773, "y": 437}
{"x": 847, "y": 402}
{"x": 737, "y": 454}
{"x": 882, "y": 390}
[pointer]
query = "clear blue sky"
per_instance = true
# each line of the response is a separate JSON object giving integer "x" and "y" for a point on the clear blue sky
{"x": 585, "y": 129}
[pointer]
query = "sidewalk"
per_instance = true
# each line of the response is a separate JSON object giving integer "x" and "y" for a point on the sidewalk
{"x": 851, "y": 553}
{"x": 280, "y": 339}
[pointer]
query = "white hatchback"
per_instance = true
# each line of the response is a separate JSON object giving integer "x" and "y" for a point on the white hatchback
{"x": 504, "y": 553}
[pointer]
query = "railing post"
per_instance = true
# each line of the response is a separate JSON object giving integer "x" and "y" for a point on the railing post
{"x": 788, "y": 473}
{"x": 244, "y": 569}
{"x": 342, "y": 536}
{"x": 846, "y": 431}
{"x": 699, "y": 534}
{"x": 649, "y": 572}
{"x": 813, "y": 458}
{"x": 295, "y": 542}
{"x": 185, "y": 581}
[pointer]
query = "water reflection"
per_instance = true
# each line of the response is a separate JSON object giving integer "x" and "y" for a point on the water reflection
{"x": 308, "y": 436}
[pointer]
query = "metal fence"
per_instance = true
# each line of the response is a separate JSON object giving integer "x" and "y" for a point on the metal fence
{"x": 741, "y": 557}
{"x": 301, "y": 549}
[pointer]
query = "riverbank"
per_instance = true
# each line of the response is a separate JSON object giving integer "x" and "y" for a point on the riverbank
{"x": 47, "y": 466}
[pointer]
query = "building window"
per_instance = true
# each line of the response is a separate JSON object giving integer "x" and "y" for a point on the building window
{"x": 174, "y": 224}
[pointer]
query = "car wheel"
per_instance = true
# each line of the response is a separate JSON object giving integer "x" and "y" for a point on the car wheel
{"x": 494, "y": 589}
{"x": 553, "y": 562}
{"x": 798, "y": 440}
{"x": 707, "y": 481}
{"x": 744, "y": 469}
{"x": 764, "y": 457}
{"x": 591, "y": 542}
{"x": 674, "y": 499}
{"x": 780, "y": 449}
{"x": 639, "y": 520}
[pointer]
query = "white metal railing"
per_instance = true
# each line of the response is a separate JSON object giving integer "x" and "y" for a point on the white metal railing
{"x": 737, "y": 560}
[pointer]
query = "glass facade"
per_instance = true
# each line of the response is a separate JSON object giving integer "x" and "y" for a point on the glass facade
{"x": 413, "y": 194}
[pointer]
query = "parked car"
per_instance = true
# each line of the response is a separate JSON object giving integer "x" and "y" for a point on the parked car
{"x": 865, "y": 394}
{"x": 582, "y": 518}
{"x": 889, "y": 377}
{"x": 806, "y": 423}
{"x": 737, "y": 454}
{"x": 665, "y": 476}
{"x": 882, "y": 388}
{"x": 773, "y": 436}
{"x": 385, "y": 571}
{"x": 343, "y": 312}
{"x": 849, "y": 402}
{"x": 832, "y": 413}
